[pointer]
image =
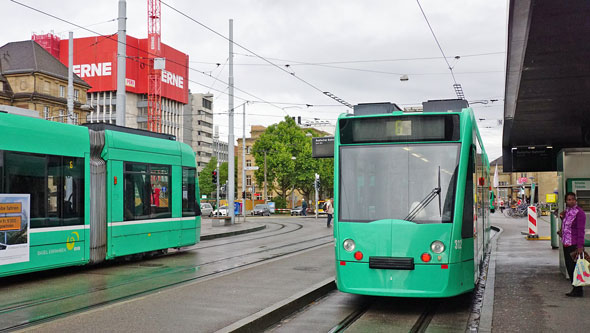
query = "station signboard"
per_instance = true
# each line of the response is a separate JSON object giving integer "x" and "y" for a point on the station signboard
{"x": 322, "y": 147}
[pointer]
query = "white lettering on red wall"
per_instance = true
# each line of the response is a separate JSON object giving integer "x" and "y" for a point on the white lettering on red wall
{"x": 92, "y": 70}
{"x": 172, "y": 79}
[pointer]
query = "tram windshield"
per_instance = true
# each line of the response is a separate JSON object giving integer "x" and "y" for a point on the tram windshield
{"x": 388, "y": 181}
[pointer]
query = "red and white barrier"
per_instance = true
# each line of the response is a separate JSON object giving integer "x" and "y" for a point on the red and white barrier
{"x": 532, "y": 212}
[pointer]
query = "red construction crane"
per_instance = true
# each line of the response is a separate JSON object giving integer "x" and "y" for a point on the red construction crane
{"x": 154, "y": 75}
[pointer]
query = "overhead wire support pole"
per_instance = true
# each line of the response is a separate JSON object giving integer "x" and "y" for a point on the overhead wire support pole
{"x": 71, "y": 78}
{"x": 121, "y": 62}
{"x": 230, "y": 143}
{"x": 244, "y": 162}
{"x": 216, "y": 138}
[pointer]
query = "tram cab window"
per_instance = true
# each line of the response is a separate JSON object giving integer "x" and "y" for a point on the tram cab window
{"x": 146, "y": 191}
{"x": 55, "y": 183}
{"x": 189, "y": 199}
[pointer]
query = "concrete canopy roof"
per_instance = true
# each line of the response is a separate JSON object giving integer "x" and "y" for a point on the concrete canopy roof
{"x": 547, "y": 97}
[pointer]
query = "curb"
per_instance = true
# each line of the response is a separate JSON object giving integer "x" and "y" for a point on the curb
{"x": 487, "y": 309}
{"x": 265, "y": 318}
{"x": 232, "y": 233}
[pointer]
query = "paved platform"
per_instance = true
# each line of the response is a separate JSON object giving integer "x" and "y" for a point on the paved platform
{"x": 216, "y": 228}
{"x": 526, "y": 290}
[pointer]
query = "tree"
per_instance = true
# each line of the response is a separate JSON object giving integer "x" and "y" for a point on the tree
{"x": 289, "y": 161}
{"x": 206, "y": 185}
{"x": 281, "y": 142}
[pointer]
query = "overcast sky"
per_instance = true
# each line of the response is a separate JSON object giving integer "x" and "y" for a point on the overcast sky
{"x": 357, "y": 50}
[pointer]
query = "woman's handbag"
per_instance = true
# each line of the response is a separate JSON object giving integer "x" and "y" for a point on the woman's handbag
{"x": 581, "y": 273}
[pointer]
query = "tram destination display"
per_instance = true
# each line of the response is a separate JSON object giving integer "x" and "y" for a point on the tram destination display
{"x": 399, "y": 129}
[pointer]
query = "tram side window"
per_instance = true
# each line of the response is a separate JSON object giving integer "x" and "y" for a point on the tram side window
{"x": 146, "y": 191}
{"x": 189, "y": 200}
{"x": 55, "y": 183}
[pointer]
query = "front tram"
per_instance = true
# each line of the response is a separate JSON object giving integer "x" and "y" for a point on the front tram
{"x": 411, "y": 200}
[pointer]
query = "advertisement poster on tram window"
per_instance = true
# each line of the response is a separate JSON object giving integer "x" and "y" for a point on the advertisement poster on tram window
{"x": 14, "y": 228}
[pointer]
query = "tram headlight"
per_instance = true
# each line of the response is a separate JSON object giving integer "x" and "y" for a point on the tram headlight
{"x": 437, "y": 247}
{"x": 349, "y": 245}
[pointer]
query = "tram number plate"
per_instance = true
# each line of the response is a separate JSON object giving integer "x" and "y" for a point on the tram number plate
{"x": 458, "y": 244}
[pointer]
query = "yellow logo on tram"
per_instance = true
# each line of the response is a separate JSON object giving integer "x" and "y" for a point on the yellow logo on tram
{"x": 72, "y": 240}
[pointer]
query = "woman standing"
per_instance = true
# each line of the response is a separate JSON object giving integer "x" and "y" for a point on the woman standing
{"x": 329, "y": 209}
{"x": 572, "y": 236}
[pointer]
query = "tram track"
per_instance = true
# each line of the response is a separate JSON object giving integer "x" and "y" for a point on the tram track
{"x": 147, "y": 284}
{"x": 141, "y": 262}
{"x": 225, "y": 243}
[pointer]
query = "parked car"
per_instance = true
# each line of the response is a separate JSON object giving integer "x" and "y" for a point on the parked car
{"x": 222, "y": 211}
{"x": 296, "y": 211}
{"x": 261, "y": 209}
{"x": 206, "y": 209}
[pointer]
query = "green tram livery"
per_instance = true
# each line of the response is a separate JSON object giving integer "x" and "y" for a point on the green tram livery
{"x": 89, "y": 194}
{"x": 411, "y": 200}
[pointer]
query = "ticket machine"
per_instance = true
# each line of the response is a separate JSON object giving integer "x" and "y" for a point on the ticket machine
{"x": 573, "y": 175}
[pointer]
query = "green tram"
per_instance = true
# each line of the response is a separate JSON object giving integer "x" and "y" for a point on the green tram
{"x": 411, "y": 200}
{"x": 91, "y": 194}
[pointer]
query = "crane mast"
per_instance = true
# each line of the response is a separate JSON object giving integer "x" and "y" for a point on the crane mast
{"x": 154, "y": 74}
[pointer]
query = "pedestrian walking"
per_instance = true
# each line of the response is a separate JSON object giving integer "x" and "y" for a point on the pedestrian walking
{"x": 573, "y": 224}
{"x": 329, "y": 209}
{"x": 303, "y": 207}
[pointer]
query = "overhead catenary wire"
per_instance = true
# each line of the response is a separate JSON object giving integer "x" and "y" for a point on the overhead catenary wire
{"x": 252, "y": 52}
{"x": 137, "y": 48}
{"x": 296, "y": 62}
{"x": 437, "y": 42}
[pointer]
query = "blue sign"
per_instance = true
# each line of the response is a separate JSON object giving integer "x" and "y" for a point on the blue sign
{"x": 164, "y": 189}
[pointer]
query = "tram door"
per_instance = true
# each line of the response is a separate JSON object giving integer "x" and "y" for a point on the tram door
{"x": 480, "y": 202}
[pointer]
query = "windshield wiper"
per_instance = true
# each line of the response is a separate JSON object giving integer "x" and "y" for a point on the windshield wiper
{"x": 424, "y": 202}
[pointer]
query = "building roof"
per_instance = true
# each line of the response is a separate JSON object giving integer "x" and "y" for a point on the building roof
{"x": 29, "y": 57}
{"x": 498, "y": 161}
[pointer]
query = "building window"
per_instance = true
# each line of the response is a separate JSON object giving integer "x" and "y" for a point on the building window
{"x": 207, "y": 104}
{"x": 248, "y": 163}
{"x": 248, "y": 149}
{"x": 62, "y": 117}
{"x": 76, "y": 95}
{"x": 62, "y": 91}
{"x": 248, "y": 180}
{"x": 46, "y": 112}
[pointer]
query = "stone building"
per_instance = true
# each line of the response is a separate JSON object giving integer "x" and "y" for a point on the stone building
{"x": 31, "y": 78}
{"x": 511, "y": 182}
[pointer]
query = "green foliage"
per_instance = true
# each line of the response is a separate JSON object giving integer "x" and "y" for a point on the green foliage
{"x": 279, "y": 202}
{"x": 206, "y": 186}
{"x": 289, "y": 161}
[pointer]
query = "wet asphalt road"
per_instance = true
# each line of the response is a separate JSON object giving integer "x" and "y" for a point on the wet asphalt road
{"x": 32, "y": 298}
